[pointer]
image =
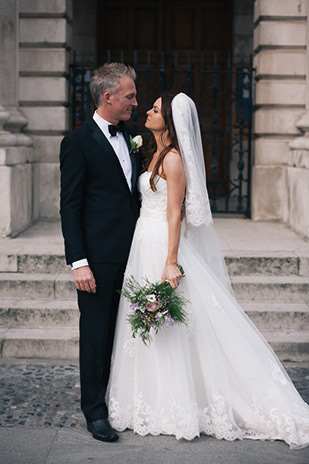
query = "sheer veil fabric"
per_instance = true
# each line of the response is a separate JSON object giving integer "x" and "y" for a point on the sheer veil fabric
{"x": 198, "y": 220}
{"x": 217, "y": 375}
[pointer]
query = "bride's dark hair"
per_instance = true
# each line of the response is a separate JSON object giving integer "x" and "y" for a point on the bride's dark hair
{"x": 166, "y": 111}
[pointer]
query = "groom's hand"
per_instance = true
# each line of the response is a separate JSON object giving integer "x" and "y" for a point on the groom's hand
{"x": 84, "y": 279}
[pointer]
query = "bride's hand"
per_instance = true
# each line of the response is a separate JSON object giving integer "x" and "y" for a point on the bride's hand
{"x": 172, "y": 274}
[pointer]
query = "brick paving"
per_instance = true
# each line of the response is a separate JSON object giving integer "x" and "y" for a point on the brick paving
{"x": 47, "y": 395}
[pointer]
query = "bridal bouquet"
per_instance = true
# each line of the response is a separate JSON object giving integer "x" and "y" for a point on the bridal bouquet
{"x": 153, "y": 305}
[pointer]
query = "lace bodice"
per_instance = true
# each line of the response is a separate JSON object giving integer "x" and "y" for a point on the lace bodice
{"x": 154, "y": 204}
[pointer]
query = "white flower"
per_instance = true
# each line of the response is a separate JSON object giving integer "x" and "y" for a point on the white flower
{"x": 136, "y": 143}
{"x": 138, "y": 139}
{"x": 151, "y": 298}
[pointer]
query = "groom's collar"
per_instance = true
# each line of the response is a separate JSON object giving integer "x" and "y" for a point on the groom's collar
{"x": 97, "y": 121}
{"x": 101, "y": 122}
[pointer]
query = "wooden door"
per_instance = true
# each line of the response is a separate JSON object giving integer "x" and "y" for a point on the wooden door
{"x": 192, "y": 27}
{"x": 164, "y": 25}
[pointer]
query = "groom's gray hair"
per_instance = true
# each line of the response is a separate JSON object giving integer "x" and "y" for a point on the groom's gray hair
{"x": 107, "y": 78}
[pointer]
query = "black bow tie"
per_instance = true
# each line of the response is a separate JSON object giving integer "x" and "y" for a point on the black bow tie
{"x": 114, "y": 129}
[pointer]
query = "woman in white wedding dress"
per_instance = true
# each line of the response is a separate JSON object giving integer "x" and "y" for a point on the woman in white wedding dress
{"x": 217, "y": 375}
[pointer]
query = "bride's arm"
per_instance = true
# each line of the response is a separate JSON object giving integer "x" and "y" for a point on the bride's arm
{"x": 176, "y": 182}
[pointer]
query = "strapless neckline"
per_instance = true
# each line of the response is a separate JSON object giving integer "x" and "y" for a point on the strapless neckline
{"x": 150, "y": 172}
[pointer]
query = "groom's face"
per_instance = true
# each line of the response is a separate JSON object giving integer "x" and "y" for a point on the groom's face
{"x": 123, "y": 102}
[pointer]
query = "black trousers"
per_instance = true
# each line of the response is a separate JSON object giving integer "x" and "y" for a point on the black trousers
{"x": 98, "y": 314}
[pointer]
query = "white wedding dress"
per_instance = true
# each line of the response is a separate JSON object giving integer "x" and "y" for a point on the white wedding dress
{"x": 217, "y": 375}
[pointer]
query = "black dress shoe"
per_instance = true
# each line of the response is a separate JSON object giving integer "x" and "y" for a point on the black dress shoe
{"x": 102, "y": 430}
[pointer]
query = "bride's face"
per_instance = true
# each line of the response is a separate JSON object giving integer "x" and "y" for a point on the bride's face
{"x": 155, "y": 121}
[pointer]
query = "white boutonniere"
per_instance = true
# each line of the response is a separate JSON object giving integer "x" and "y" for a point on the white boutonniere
{"x": 136, "y": 143}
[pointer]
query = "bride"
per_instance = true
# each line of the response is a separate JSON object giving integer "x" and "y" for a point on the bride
{"x": 216, "y": 375}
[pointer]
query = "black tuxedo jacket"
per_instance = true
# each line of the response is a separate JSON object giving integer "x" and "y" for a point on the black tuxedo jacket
{"x": 98, "y": 210}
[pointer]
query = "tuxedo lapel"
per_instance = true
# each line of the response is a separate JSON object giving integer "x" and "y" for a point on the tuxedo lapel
{"x": 98, "y": 135}
{"x": 133, "y": 159}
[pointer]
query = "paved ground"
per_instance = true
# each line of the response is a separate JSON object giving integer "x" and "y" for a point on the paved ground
{"x": 41, "y": 423}
{"x": 63, "y": 446}
{"x": 47, "y": 395}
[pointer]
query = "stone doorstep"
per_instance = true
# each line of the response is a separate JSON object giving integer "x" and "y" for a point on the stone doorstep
{"x": 40, "y": 343}
{"x": 64, "y": 313}
{"x": 63, "y": 344}
{"x": 241, "y": 263}
{"x": 36, "y": 286}
{"x": 249, "y": 288}
{"x": 263, "y": 265}
{"x": 270, "y": 316}
{"x": 38, "y": 313}
{"x": 271, "y": 288}
{"x": 289, "y": 345}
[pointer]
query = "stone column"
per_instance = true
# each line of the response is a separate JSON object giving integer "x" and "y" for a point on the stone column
{"x": 45, "y": 42}
{"x": 298, "y": 170}
{"x": 280, "y": 48}
{"x": 10, "y": 70}
{"x": 15, "y": 148}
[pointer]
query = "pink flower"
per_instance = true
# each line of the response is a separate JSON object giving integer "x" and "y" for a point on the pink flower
{"x": 152, "y": 307}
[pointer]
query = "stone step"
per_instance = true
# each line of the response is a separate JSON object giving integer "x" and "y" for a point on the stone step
{"x": 37, "y": 286}
{"x": 42, "y": 263}
{"x": 247, "y": 288}
{"x": 266, "y": 264}
{"x": 271, "y": 288}
{"x": 270, "y": 316}
{"x": 62, "y": 343}
{"x": 49, "y": 343}
{"x": 289, "y": 346}
{"x": 238, "y": 263}
{"x": 38, "y": 313}
{"x": 64, "y": 313}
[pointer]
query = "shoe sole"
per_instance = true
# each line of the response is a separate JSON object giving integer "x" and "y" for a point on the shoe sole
{"x": 107, "y": 440}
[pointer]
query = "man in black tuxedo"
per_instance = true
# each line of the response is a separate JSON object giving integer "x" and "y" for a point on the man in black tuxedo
{"x": 99, "y": 209}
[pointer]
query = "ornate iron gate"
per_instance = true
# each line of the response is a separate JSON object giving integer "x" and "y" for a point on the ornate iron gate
{"x": 223, "y": 95}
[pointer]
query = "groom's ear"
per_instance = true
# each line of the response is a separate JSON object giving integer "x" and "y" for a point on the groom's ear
{"x": 106, "y": 97}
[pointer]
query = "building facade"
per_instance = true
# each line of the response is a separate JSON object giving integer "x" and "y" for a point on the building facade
{"x": 37, "y": 39}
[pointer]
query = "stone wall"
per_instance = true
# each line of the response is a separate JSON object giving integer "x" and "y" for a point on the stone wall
{"x": 15, "y": 146}
{"x": 85, "y": 30}
{"x": 298, "y": 169}
{"x": 242, "y": 30}
{"x": 45, "y": 42}
{"x": 280, "y": 47}
{"x": 36, "y": 38}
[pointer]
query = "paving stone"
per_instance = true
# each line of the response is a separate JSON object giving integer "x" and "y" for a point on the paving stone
{"x": 48, "y": 395}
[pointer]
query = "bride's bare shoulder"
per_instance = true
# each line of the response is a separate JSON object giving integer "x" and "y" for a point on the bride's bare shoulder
{"x": 173, "y": 162}
{"x": 173, "y": 156}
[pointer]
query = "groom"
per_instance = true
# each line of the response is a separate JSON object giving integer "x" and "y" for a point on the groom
{"x": 99, "y": 209}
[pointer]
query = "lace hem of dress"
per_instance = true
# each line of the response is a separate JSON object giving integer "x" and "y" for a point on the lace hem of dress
{"x": 215, "y": 420}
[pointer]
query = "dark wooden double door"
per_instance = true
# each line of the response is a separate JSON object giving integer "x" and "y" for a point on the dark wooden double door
{"x": 187, "y": 27}
{"x": 164, "y": 25}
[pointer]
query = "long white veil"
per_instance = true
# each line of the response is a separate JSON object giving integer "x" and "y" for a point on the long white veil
{"x": 198, "y": 218}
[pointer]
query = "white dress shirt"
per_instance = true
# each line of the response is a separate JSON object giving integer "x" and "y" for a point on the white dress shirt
{"x": 121, "y": 149}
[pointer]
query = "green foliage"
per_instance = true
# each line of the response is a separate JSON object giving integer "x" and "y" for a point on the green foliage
{"x": 153, "y": 305}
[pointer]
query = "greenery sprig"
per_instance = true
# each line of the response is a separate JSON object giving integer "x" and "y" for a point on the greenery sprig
{"x": 153, "y": 305}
